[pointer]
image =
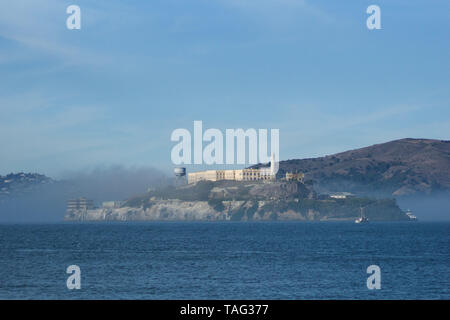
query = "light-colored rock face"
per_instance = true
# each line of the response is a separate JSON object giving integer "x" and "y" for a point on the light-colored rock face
{"x": 264, "y": 210}
{"x": 159, "y": 210}
{"x": 173, "y": 210}
{"x": 180, "y": 210}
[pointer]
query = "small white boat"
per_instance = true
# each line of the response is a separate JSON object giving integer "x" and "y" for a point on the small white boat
{"x": 362, "y": 218}
{"x": 411, "y": 216}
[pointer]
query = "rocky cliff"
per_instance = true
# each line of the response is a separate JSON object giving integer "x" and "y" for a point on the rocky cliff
{"x": 242, "y": 201}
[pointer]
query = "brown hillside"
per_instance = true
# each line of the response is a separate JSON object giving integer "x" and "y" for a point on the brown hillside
{"x": 400, "y": 167}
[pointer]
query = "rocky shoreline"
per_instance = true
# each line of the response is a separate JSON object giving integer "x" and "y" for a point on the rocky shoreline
{"x": 178, "y": 210}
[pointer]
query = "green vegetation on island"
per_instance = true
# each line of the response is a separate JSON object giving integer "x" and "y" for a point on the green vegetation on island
{"x": 276, "y": 200}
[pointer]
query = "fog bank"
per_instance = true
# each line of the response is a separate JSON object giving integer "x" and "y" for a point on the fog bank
{"x": 47, "y": 203}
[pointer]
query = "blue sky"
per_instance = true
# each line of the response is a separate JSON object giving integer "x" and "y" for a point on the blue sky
{"x": 112, "y": 92}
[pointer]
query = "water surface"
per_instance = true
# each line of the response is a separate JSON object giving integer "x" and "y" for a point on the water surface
{"x": 264, "y": 260}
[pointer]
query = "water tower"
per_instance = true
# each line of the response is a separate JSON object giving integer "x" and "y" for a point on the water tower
{"x": 180, "y": 176}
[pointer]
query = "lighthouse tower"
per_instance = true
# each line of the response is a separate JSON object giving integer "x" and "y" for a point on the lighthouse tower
{"x": 273, "y": 166}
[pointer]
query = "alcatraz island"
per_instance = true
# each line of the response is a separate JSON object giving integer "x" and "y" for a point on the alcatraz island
{"x": 249, "y": 194}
